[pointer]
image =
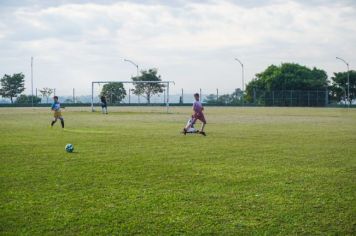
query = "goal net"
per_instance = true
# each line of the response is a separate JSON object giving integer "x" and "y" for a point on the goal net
{"x": 130, "y": 93}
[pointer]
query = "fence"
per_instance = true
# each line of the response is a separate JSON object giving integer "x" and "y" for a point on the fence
{"x": 306, "y": 98}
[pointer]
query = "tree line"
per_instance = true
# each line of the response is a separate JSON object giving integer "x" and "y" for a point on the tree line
{"x": 292, "y": 76}
{"x": 287, "y": 76}
{"x": 13, "y": 86}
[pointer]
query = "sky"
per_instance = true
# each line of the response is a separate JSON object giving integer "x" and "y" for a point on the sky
{"x": 193, "y": 43}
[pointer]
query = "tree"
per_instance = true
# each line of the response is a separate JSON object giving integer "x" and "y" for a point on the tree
{"x": 115, "y": 91}
{"x": 147, "y": 90}
{"x": 211, "y": 99}
{"x": 338, "y": 87}
{"x": 225, "y": 99}
{"x": 287, "y": 76}
{"x": 253, "y": 85}
{"x": 46, "y": 92}
{"x": 237, "y": 97}
{"x": 24, "y": 99}
{"x": 12, "y": 85}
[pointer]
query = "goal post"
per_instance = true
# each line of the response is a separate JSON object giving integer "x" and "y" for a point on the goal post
{"x": 167, "y": 84}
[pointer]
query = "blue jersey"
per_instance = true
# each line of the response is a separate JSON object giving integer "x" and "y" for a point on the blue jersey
{"x": 56, "y": 106}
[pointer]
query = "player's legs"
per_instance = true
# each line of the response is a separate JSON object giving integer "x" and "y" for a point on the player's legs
{"x": 54, "y": 121}
{"x": 202, "y": 119}
{"x": 102, "y": 108}
{"x": 202, "y": 127}
{"x": 62, "y": 121}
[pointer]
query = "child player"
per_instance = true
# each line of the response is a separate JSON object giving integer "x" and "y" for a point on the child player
{"x": 56, "y": 108}
{"x": 104, "y": 106}
{"x": 197, "y": 115}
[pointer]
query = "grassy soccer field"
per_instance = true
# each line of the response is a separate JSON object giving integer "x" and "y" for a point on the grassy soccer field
{"x": 259, "y": 170}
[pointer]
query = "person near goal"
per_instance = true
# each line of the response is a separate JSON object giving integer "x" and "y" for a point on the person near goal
{"x": 104, "y": 105}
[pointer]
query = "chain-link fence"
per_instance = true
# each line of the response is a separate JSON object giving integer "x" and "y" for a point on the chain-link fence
{"x": 305, "y": 98}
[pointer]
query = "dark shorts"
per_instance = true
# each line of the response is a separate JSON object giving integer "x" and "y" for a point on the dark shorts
{"x": 198, "y": 116}
{"x": 103, "y": 105}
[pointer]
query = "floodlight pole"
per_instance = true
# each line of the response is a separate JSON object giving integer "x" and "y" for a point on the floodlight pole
{"x": 344, "y": 90}
{"x": 243, "y": 80}
{"x": 167, "y": 102}
{"x": 92, "y": 96}
{"x": 182, "y": 96}
{"x": 164, "y": 95}
{"x": 133, "y": 63}
{"x": 242, "y": 66}
{"x": 348, "y": 79}
{"x": 32, "y": 81}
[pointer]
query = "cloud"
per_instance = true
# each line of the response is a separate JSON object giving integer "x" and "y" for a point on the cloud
{"x": 191, "y": 42}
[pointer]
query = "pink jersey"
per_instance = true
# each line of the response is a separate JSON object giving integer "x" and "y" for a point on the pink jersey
{"x": 197, "y": 107}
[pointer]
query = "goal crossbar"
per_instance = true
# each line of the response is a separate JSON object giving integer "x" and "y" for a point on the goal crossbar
{"x": 131, "y": 82}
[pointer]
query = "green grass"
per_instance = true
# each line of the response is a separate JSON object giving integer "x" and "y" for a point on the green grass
{"x": 259, "y": 171}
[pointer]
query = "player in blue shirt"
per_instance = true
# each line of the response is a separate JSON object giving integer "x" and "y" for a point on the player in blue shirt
{"x": 56, "y": 108}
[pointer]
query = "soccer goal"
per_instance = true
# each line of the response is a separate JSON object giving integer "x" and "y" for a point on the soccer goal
{"x": 131, "y": 98}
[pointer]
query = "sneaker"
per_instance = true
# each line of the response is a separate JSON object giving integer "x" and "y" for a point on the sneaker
{"x": 184, "y": 131}
{"x": 202, "y": 133}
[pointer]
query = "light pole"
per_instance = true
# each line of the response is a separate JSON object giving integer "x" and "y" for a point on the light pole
{"x": 348, "y": 79}
{"x": 32, "y": 81}
{"x": 182, "y": 96}
{"x": 243, "y": 81}
{"x": 242, "y": 66}
{"x": 133, "y": 63}
{"x": 164, "y": 95}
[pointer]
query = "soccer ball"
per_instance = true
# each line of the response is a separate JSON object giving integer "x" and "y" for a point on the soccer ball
{"x": 69, "y": 147}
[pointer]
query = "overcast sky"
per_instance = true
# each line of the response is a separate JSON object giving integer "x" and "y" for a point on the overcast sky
{"x": 193, "y": 43}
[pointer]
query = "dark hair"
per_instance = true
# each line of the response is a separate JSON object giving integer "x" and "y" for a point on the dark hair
{"x": 196, "y": 95}
{"x": 55, "y": 97}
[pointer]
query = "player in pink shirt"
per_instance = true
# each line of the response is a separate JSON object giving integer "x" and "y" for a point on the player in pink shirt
{"x": 198, "y": 115}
